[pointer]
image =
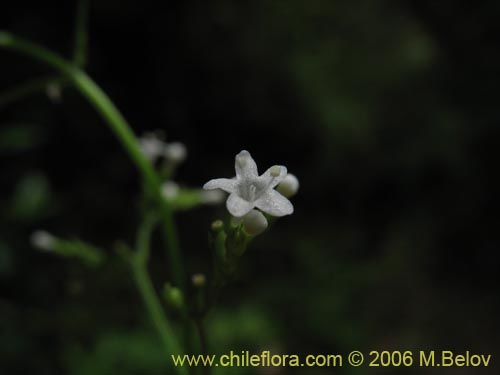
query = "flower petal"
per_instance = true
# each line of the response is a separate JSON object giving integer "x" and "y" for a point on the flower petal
{"x": 274, "y": 204}
{"x": 226, "y": 184}
{"x": 275, "y": 175}
{"x": 237, "y": 206}
{"x": 245, "y": 165}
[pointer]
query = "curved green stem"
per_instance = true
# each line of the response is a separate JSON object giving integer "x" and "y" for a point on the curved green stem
{"x": 150, "y": 298}
{"x": 117, "y": 123}
{"x": 139, "y": 266}
{"x": 167, "y": 335}
{"x": 143, "y": 240}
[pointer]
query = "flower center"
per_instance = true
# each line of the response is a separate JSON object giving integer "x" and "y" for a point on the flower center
{"x": 252, "y": 190}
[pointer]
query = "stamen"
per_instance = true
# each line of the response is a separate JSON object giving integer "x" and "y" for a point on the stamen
{"x": 252, "y": 190}
{"x": 275, "y": 171}
{"x": 241, "y": 160}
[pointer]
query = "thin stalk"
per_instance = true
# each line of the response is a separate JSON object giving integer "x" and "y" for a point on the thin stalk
{"x": 202, "y": 334}
{"x": 81, "y": 37}
{"x": 147, "y": 291}
{"x": 122, "y": 130}
{"x": 155, "y": 310}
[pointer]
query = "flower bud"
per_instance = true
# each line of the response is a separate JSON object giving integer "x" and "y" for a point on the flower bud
{"x": 175, "y": 152}
{"x": 174, "y": 296}
{"x": 151, "y": 145}
{"x": 169, "y": 190}
{"x": 289, "y": 186}
{"x": 217, "y": 225}
{"x": 43, "y": 240}
{"x": 235, "y": 221}
{"x": 199, "y": 280}
{"x": 54, "y": 92}
{"x": 254, "y": 223}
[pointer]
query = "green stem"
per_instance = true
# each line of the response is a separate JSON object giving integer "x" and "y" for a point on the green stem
{"x": 80, "y": 50}
{"x": 202, "y": 334}
{"x": 150, "y": 298}
{"x": 167, "y": 335}
{"x": 147, "y": 291}
{"x": 143, "y": 240}
{"x": 119, "y": 126}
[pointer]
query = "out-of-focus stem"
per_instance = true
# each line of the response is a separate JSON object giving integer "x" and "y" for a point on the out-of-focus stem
{"x": 139, "y": 266}
{"x": 202, "y": 334}
{"x": 119, "y": 126}
{"x": 80, "y": 44}
{"x": 155, "y": 310}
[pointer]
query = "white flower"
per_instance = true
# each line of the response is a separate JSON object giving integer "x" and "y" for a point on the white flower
{"x": 43, "y": 240}
{"x": 248, "y": 190}
{"x": 289, "y": 186}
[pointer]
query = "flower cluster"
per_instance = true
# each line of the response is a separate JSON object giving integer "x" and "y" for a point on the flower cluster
{"x": 170, "y": 155}
{"x": 154, "y": 147}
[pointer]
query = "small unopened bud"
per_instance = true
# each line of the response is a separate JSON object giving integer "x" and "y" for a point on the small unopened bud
{"x": 169, "y": 190}
{"x": 174, "y": 296}
{"x": 43, "y": 240}
{"x": 54, "y": 92}
{"x": 236, "y": 221}
{"x": 289, "y": 186}
{"x": 275, "y": 171}
{"x": 212, "y": 196}
{"x": 199, "y": 280}
{"x": 175, "y": 152}
{"x": 151, "y": 145}
{"x": 254, "y": 223}
{"x": 217, "y": 225}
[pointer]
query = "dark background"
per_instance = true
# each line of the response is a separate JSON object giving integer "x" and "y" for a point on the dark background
{"x": 387, "y": 111}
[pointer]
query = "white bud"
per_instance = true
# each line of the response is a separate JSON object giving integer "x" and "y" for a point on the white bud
{"x": 254, "y": 223}
{"x": 289, "y": 186}
{"x": 175, "y": 152}
{"x": 212, "y": 196}
{"x": 169, "y": 190}
{"x": 43, "y": 240}
{"x": 151, "y": 145}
